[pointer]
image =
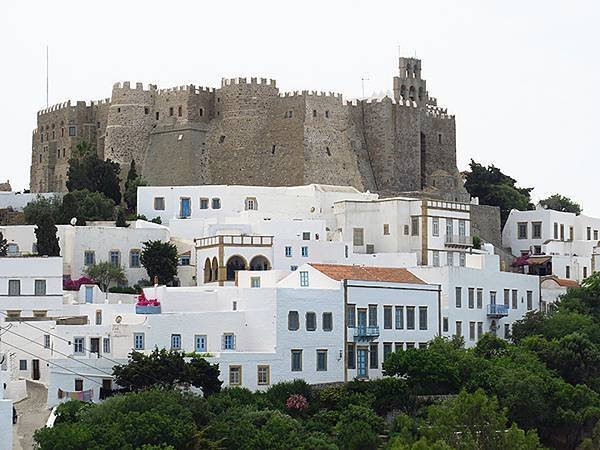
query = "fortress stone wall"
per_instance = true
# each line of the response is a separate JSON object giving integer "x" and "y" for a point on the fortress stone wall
{"x": 248, "y": 132}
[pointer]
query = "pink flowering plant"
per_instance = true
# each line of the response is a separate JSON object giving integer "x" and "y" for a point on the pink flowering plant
{"x": 74, "y": 285}
{"x": 143, "y": 301}
{"x": 296, "y": 403}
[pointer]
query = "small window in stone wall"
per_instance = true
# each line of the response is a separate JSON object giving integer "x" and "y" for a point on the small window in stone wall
{"x": 328, "y": 151}
{"x": 314, "y": 113}
{"x": 157, "y": 115}
{"x": 327, "y": 114}
{"x": 273, "y": 150}
{"x": 171, "y": 111}
{"x": 180, "y": 111}
{"x": 146, "y": 111}
{"x": 201, "y": 112}
{"x": 221, "y": 139}
{"x": 440, "y": 139}
{"x": 118, "y": 110}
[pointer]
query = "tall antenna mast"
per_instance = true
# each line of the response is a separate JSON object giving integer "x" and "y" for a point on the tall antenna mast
{"x": 46, "y": 75}
{"x": 363, "y": 86}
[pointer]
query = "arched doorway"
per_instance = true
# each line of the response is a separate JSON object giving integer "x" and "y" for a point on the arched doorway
{"x": 207, "y": 271}
{"x": 215, "y": 269}
{"x": 260, "y": 263}
{"x": 234, "y": 264}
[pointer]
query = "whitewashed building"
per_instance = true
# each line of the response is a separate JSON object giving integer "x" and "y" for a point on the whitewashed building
{"x": 548, "y": 242}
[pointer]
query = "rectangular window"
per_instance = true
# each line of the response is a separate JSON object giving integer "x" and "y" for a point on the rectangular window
{"x": 200, "y": 343}
{"x": 22, "y": 364}
{"x": 138, "y": 341}
{"x": 99, "y": 317}
{"x": 235, "y": 375}
{"x": 40, "y": 287}
{"x": 228, "y": 341}
{"x": 175, "y": 342}
{"x": 445, "y": 324}
{"x": 471, "y": 298}
{"x": 410, "y": 345}
{"x": 78, "y": 385}
{"x": 351, "y": 356}
{"x": 263, "y": 375}
{"x": 449, "y": 227}
{"x": 78, "y": 346}
{"x": 436, "y": 258}
{"x": 410, "y": 317}
{"x": 462, "y": 259}
{"x": 562, "y": 231}
{"x": 216, "y": 203}
{"x": 555, "y": 230}
{"x": 351, "y": 316}
{"x": 462, "y": 228}
{"x": 251, "y": 204}
{"x": 288, "y": 252}
{"x": 46, "y": 341}
{"x": 14, "y": 287}
{"x": 515, "y": 297}
{"x": 171, "y": 111}
{"x": 450, "y": 259}
{"x": 386, "y": 229}
{"x": 159, "y": 203}
{"x": 203, "y": 203}
{"x": 522, "y": 230}
{"x": 306, "y": 236}
{"x": 387, "y": 317}
{"x": 374, "y": 356}
{"x": 414, "y": 224}
{"x": 458, "y": 297}
{"x": 479, "y": 330}
{"x": 398, "y": 346}
{"x": 387, "y": 350}
{"x": 406, "y": 230}
{"x": 114, "y": 256}
{"x": 72, "y": 131}
{"x": 507, "y": 298}
{"x": 536, "y": 230}
{"x": 303, "y": 278}
{"x": 358, "y": 236}
{"x": 185, "y": 207}
{"x": 506, "y": 330}
{"x": 479, "y": 298}
{"x": 180, "y": 111}
{"x": 567, "y": 272}
{"x": 293, "y": 321}
{"x": 399, "y": 317}
{"x": 372, "y": 315}
{"x": 529, "y": 300}
{"x": 321, "y": 360}
{"x": 254, "y": 282}
{"x": 595, "y": 235}
{"x": 458, "y": 328}
{"x": 304, "y": 252}
{"x": 89, "y": 257}
{"x": 134, "y": 259}
{"x": 422, "y": 317}
{"x": 296, "y": 360}
{"x": 435, "y": 222}
{"x": 106, "y": 345}
{"x": 327, "y": 321}
{"x": 157, "y": 115}
{"x": 311, "y": 321}
{"x": 471, "y": 331}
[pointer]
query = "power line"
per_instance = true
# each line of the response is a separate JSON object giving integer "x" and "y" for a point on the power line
{"x": 60, "y": 353}
{"x": 50, "y": 362}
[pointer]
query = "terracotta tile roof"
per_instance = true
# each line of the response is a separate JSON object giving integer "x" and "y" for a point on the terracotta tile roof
{"x": 367, "y": 273}
{"x": 564, "y": 282}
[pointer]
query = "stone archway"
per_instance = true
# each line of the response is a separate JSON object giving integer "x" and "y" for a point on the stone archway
{"x": 235, "y": 263}
{"x": 260, "y": 262}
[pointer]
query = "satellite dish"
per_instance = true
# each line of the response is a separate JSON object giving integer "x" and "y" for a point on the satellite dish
{"x": 118, "y": 319}
{"x": 73, "y": 221}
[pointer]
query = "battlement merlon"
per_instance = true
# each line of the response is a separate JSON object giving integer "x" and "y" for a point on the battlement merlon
{"x": 56, "y": 107}
{"x": 306, "y": 93}
{"x": 253, "y": 81}
{"x": 138, "y": 86}
{"x": 192, "y": 89}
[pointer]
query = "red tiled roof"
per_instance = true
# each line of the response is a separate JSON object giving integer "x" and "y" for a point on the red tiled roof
{"x": 367, "y": 273}
{"x": 564, "y": 282}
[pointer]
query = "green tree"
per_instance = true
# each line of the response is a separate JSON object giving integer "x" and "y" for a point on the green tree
{"x": 497, "y": 189}
{"x": 359, "y": 428}
{"x": 133, "y": 182}
{"x": 558, "y": 202}
{"x": 86, "y": 171}
{"x": 121, "y": 219}
{"x": 105, "y": 273}
{"x": 93, "y": 205}
{"x": 41, "y": 206}
{"x": 45, "y": 233}
{"x": 70, "y": 209}
{"x": 167, "y": 368}
{"x": 160, "y": 260}
{"x": 3, "y": 245}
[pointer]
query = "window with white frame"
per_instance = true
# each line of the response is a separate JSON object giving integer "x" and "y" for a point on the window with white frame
{"x": 98, "y": 317}
{"x": 327, "y": 321}
{"x": 216, "y": 203}
{"x": 321, "y": 360}
{"x": 228, "y": 341}
{"x": 46, "y": 341}
{"x": 251, "y": 204}
{"x": 296, "y": 360}
{"x": 78, "y": 348}
{"x": 293, "y": 320}
{"x": 14, "y": 287}
{"x": 536, "y": 230}
{"x": 414, "y": 225}
{"x": 358, "y": 236}
{"x": 399, "y": 322}
{"x": 529, "y": 300}
{"x": 106, "y": 345}
{"x": 522, "y": 230}
{"x": 303, "y": 278}
{"x": 422, "y": 317}
{"x": 114, "y": 256}
{"x": 159, "y": 203}
{"x": 203, "y": 203}
{"x": 22, "y": 364}
{"x": 263, "y": 375}
{"x": 40, "y": 287}
{"x": 462, "y": 259}
{"x": 235, "y": 375}
{"x": 288, "y": 251}
{"x": 304, "y": 251}
{"x": 175, "y": 342}
{"x": 479, "y": 298}
{"x": 306, "y": 235}
{"x": 311, "y": 321}
{"x": 200, "y": 343}
{"x": 436, "y": 258}
{"x": 134, "y": 258}
{"x": 255, "y": 282}
{"x": 410, "y": 317}
{"x": 89, "y": 257}
{"x": 458, "y": 297}
{"x": 138, "y": 341}
{"x": 435, "y": 222}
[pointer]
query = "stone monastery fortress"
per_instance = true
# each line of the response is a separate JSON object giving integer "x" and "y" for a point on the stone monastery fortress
{"x": 247, "y": 132}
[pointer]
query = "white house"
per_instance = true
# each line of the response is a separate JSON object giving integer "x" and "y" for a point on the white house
{"x": 549, "y": 242}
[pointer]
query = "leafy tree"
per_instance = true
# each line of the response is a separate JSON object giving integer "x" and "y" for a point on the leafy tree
{"x": 167, "y": 368}
{"x": 105, "y": 273}
{"x": 45, "y": 233}
{"x": 93, "y": 205}
{"x": 359, "y": 428}
{"x": 86, "y": 171}
{"x": 497, "y": 189}
{"x": 121, "y": 220}
{"x": 70, "y": 209}
{"x": 558, "y": 202}
{"x": 3, "y": 245}
{"x": 41, "y": 206}
{"x": 160, "y": 260}
{"x": 131, "y": 185}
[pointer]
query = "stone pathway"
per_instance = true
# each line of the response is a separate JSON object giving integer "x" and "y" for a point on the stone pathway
{"x": 32, "y": 413}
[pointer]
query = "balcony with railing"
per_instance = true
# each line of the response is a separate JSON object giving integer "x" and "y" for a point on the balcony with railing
{"x": 457, "y": 240}
{"x": 231, "y": 240}
{"x": 366, "y": 333}
{"x": 497, "y": 311}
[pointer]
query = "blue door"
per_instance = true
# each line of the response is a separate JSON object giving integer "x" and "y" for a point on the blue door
{"x": 89, "y": 294}
{"x": 361, "y": 362}
{"x": 186, "y": 207}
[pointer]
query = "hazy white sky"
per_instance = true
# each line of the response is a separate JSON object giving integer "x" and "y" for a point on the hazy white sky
{"x": 522, "y": 77}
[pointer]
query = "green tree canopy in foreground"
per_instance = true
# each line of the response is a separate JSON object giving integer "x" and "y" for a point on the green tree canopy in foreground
{"x": 160, "y": 260}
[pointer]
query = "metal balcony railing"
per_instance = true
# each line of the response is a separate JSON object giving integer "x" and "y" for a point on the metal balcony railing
{"x": 496, "y": 311}
{"x": 363, "y": 333}
{"x": 457, "y": 240}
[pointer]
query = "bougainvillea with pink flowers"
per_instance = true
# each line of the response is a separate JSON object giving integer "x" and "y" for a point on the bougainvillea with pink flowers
{"x": 74, "y": 285}
{"x": 143, "y": 301}
{"x": 296, "y": 402}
